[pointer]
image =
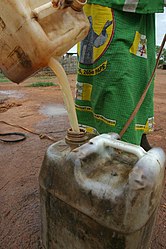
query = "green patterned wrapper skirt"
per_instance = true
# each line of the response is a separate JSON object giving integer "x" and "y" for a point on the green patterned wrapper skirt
{"x": 116, "y": 60}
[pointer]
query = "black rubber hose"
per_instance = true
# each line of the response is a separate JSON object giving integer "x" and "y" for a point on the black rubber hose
{"x": 21, "y": 135}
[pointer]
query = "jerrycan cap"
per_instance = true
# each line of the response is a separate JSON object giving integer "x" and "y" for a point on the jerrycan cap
{"x": 75, "y": 139}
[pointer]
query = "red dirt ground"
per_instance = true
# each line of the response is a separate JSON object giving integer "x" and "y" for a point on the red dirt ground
{"x": 20, "y": 162}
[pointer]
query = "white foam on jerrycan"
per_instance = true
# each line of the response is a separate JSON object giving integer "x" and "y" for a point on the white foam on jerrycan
{"x": 34, "y": 34}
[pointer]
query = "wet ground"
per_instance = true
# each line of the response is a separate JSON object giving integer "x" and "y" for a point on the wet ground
{"x": 41, "y": 111}
{"x": 53, "y": 110}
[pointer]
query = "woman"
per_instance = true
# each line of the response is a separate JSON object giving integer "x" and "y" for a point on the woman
{"x": 116, "y": 60}
{"x": 111, "y": 82}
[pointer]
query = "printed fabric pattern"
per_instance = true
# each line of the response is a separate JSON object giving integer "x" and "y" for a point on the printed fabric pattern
{"x": 136, "y": 6}
{"x": 116, "y": 60}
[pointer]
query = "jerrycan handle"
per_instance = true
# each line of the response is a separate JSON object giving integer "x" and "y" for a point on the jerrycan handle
{"x": 43, "y": 11}
{"x": 101, "y": 143}
{"x": 124, "y": 146}
{"x": 103, "y": 146}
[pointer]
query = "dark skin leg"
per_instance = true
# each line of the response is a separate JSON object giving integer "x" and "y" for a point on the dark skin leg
{"x": 144, "y": 143}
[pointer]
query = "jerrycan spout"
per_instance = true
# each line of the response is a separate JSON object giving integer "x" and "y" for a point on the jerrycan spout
{"x": 76, "y": 139}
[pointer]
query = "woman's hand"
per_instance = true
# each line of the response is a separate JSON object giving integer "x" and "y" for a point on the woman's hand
{"x": 61, "y": 4}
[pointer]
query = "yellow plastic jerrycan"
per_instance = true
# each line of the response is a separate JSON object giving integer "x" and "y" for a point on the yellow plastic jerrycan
{"x": 34, "y": 31}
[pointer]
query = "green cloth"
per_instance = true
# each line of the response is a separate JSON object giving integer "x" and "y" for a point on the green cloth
{"x": 138, "y": 6}
{"x": 116, "y": 60}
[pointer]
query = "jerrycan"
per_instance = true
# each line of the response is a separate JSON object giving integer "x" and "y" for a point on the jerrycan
{"x": 103, "y": 194}
{"x": 34, "y": 31}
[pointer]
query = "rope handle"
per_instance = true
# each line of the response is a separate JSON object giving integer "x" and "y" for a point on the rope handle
{"x": 144, "y": 93}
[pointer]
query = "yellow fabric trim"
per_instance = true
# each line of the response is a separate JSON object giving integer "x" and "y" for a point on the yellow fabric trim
{"x": 83, "y": 91}
{"x": 86, "y": 93}
{"x": 97, "y": 116}
{"x": 134, "y": 47}
{"x": 105, "y": 120}
{"x": 94, "y": 71}
{"x": 89, "y": 129}
{"x": 83, "y": 108}
{"x": 148, "y": 127}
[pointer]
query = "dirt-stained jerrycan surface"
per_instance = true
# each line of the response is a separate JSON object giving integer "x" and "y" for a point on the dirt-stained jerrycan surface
{"x": 101, "y": 195}
{"x": 33, "y": 31}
